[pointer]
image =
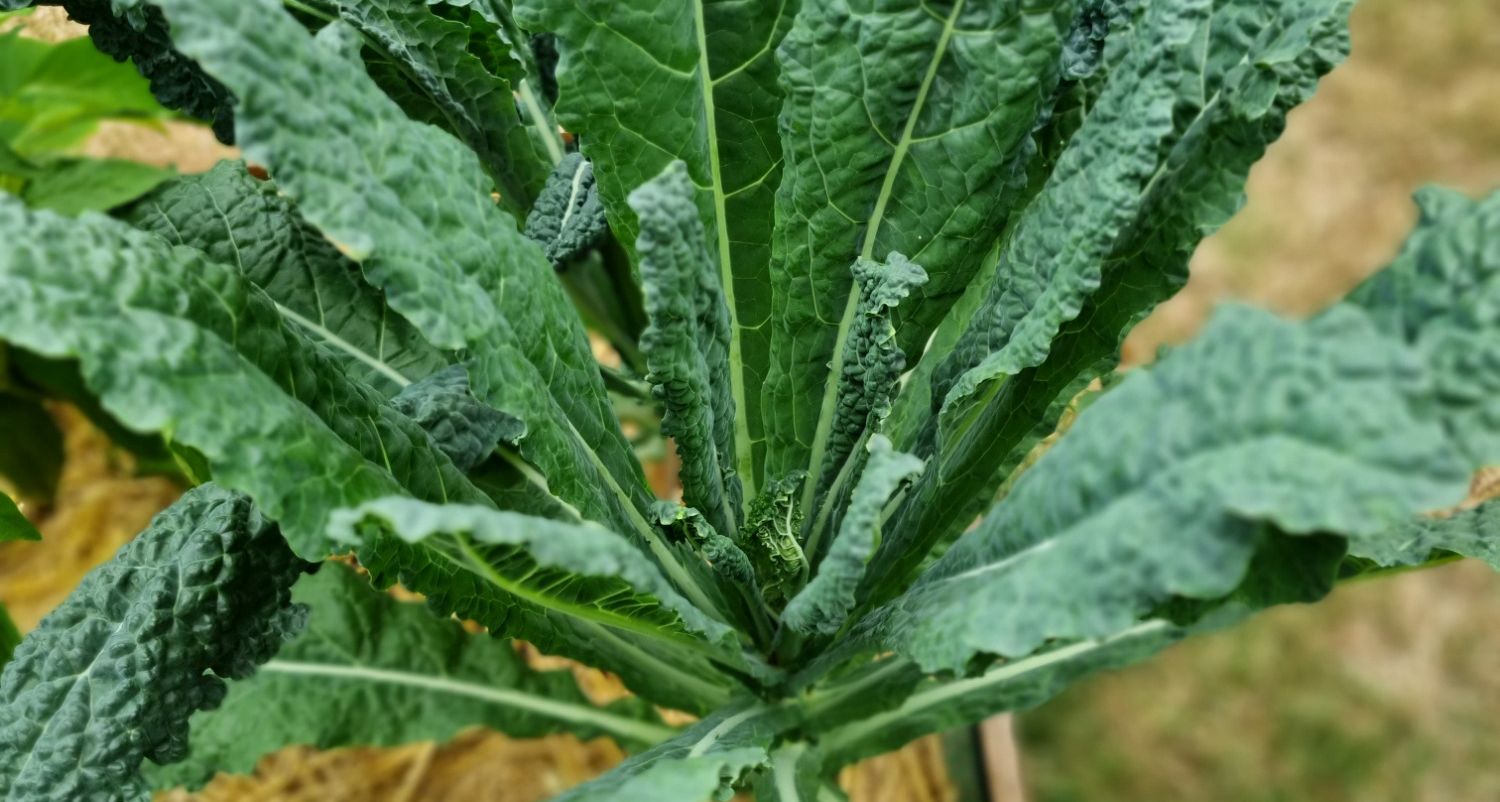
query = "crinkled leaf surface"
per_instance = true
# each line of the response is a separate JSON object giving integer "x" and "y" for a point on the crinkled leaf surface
{"x": 424, "y": 61}
{"x": 1194, "y": 93}
{"x": 902, "y": 123}
{"x": 1442, "y": 296}
{"x": 413, "y": 207}
{"x": 371, "y": 671}
{"x": 687, "y": 344}
{"x": 465, "y": 428}
{"x": 1317, "y": 427}
{"x": 824, "y": 605}
{"x": 238, "y": 220}
{"x": 710, "y": 67}
{"x": 111, "y": 676}
{"x": 568, "y": 217}
{"x": 1471, "y": 533}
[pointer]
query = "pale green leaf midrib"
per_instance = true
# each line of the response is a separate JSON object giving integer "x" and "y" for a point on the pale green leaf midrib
{"x": 581, "y": 612}
{"x": 744, "y": 453}
{"x": 872, "y": 231}
{"x": 562, "y": 711}
{"x": 841, "y": 738}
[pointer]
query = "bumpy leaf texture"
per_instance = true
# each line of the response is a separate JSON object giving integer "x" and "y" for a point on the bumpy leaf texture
{"x": 709, "y": 69}
{"x": 1193, "y": 94}
{"x": 462, "y": 426}
{"x": 824, "y": 605}
{"x": 902, "y": 124}
{"x": 1158, "y": 488}
{"x": 568, "y": 217}
{"x": 687, "y": 345}
{"x": 371, "y": 671}
{"x": 110, "y": 677}
{"x": 241, "y": 221}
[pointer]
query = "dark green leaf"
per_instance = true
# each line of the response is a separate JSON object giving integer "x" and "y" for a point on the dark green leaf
{"x": 710, "y": 100}
{"x": 372, "y": 671}
{"x": 465, "y": 428}
{"x": 13, "y": 524}
{"x": 568, "y": 218}
{"x": 111, "y": 677}
{"x": 32, "y": 458}
{"x": 10, "y": 637}
{"x": 687, "y": 345}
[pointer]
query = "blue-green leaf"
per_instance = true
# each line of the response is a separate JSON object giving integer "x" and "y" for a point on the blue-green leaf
{"x": 568, "y": 217}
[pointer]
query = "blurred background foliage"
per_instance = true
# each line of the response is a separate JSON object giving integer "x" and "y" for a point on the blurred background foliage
{"x": 1385, "y": 692}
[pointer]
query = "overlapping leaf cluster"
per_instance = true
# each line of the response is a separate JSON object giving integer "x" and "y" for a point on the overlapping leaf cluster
{"x": 857, "y": 259}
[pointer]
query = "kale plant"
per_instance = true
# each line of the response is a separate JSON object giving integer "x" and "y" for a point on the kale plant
{"x": 863, "y": 261}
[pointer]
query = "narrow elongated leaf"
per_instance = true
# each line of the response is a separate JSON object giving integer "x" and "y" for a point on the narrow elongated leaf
{"x": 824, "y": 605}
{"x": 1157, "y": 489}
{"x": 1174, "y": 134}
{"x": 412, "y": 206}
{"x": 13, "y": 524}
{"x": 710, "y": 66}
{"x": 111, "y": 677}
{"x": 687, "y": 344}
{"x": 872, "y": 361}
{"x": 772, "y": 526}
{"x": 901, "y": 128}
{"x": 699, "y": 764}
{"x": 238, "y": 220}
{"x": 372, "y": 671}
{"x": 428, "y": 56}
{"x": 568, "y": 217}
{"x": 1442, "y": 296}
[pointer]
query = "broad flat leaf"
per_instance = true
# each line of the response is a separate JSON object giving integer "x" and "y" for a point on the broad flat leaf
{"x": 568, "y": 218}
{"x": 371, "y": 671}
{"x": 824, "y": 605}
{"x": 902, "y": 126}
{"x": 13, "y": 524}
{"x": 238, "y": 220}
{"x": 33, "y": 455}
{"x": 794, "y": 774}
{"x": 687, "y": 345}
{"x": 413, "y": 207}
{"x": 73, "y": 186}
{"x": 424, "y": 62}
{"x": 1471, "y": 533}
{"x": 1158, "y": 489}
{"x": 710, "y": 66}
{"x": 130, "y": 29}
{"x": 699, "y": 764}
{"x": 1442, "y": 296}
{"x": 1159, "y": 163}
{"x": 465, "y": 428}
{"x": 10, "y": 637}
{"x": 54, "y": 95}
{"x": 111, "y": 676}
